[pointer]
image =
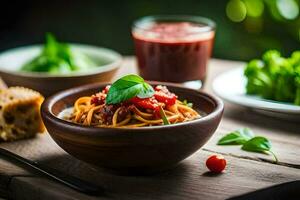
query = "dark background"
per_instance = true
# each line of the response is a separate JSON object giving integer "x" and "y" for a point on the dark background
{"x": 108, "y": 24}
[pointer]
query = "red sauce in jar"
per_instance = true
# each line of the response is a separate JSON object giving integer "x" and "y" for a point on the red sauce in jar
{"x": 173, "y": 51}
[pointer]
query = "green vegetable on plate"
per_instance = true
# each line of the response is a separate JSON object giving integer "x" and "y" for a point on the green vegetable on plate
{"x": 275, "y": 77}
{"x": 58, "y": 58}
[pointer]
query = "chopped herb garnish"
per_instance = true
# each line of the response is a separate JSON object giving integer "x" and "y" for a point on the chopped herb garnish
{"x": 186, "y": 103}
{"x": 163, "y": 116}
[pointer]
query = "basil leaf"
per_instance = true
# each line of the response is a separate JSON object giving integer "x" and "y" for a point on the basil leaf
{"x": 236, "y": 137}
{"x": 257, "y": 144}
{"x": 245, "y": 137}
{"x": 132, "y": 78}
{"x": 233, "y": 138}
{"x": 261, "y": 145}
{"x": 128, "y": 87}
{"x": 146, "y": 91}
{"x": 116, "y": 95}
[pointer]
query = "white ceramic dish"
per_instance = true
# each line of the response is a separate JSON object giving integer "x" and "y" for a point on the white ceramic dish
{"x": 108, "y": 62}
{"x": 230, "y": 86}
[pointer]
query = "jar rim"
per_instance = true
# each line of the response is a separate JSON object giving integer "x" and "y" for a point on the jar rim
{"x": 144, "y": 22}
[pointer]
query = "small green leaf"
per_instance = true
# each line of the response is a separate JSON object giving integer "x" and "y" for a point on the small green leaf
{"x": 233, "y": 138}
{"x": 257, "y": 144}
{"x": 236, "y": 137}
{"x": 128, "y": 87}
{"x": 245, "y": 137}
{"x": 260, "y": 145}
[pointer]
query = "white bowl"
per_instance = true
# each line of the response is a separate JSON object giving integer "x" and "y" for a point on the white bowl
{"x": 11, "y": 61}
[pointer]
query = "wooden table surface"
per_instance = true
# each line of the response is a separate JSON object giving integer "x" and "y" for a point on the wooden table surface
{"x": 190, "y": 180}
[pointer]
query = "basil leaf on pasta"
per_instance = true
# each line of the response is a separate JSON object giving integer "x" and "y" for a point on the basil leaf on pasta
{"x": 128, "y": 87}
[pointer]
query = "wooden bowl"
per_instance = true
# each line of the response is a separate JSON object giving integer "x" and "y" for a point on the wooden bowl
{"x": 108, "y": 62}
{"x": 132, "y": 150}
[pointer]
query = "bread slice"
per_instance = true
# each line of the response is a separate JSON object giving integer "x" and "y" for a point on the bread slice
{"x": 20, "y": 113}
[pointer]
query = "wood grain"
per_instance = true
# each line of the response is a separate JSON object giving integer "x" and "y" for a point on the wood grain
{"x": 190, "y": 180}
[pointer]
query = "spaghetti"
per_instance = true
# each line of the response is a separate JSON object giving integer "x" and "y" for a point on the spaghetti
{"x": 135, "y": 112}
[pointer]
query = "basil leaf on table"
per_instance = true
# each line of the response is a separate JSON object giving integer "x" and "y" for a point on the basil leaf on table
{"x": 245, "y": 137}
{"x": 236, "y": 137}
{"x": 259, "y": 144}
{"x": 128, "y": 87}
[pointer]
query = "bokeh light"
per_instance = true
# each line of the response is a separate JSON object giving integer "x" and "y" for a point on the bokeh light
{"x": 239, "y": 10}
{"x": 255, "y": 8}
{"x": 236, "y": 10}
{"x": 288, "y": 9}
{"x": 255, "y": 13}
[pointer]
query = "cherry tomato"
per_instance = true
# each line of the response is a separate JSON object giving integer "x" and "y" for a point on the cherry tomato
{"x": 216, "y": 163}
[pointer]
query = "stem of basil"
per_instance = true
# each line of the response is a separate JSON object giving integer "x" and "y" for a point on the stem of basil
{"x": 163, "y": 116}
{"x": 273, "y": 154}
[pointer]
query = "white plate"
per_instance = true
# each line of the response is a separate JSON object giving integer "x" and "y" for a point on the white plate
{"x": 13, "y": 59}
{"x": 230, "y": 86}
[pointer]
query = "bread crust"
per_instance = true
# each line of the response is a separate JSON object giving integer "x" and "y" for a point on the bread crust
{"x": 20, "y": 113}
